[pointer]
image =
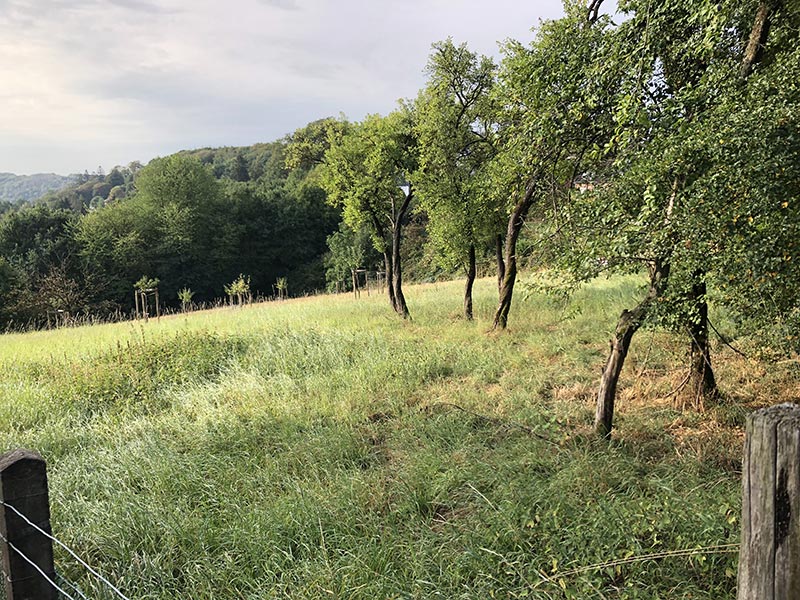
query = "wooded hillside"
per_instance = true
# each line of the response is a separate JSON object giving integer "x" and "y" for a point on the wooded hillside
{"x": 22, "y": 188}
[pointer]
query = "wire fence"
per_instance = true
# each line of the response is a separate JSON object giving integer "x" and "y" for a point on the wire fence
{"x": 700, "y": 551}
{"x": 771, "y": 455}
{"x": 34, "y": 565}
{"x": 59, "y": 582}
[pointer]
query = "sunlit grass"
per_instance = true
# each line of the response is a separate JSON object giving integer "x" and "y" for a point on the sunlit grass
{"x": 321, "y": 447}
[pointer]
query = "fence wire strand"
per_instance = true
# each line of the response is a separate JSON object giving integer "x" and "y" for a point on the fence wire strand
{"x": 71, "y": 585}
{"x": 35, "y": 566}
{"x": 69, "y": 550}
{"x": 717, "y": 549}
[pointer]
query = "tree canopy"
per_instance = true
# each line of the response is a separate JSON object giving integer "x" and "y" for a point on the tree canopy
{"x": 364, "y": 171}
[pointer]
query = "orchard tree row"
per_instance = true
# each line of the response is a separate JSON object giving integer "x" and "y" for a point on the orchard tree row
{"x": 667, "y": 143}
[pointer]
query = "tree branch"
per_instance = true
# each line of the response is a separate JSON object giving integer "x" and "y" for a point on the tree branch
{"x": 593, "y": 10}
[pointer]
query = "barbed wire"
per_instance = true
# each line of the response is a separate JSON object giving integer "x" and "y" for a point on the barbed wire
{"x": 69, "y": 550}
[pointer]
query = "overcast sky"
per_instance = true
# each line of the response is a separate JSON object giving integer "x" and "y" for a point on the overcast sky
{"x": 85, "y": 83}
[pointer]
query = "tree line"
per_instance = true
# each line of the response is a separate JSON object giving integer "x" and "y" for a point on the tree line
{"x": 194, "y": 221}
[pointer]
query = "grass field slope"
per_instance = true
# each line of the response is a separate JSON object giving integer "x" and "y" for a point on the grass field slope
{"x": 321, "y": 448}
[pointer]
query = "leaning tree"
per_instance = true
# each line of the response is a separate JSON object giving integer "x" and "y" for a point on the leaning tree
{"x": 665, "y": 190}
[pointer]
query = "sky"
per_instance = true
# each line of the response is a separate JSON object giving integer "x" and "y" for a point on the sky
{"x": 88, "y": 83}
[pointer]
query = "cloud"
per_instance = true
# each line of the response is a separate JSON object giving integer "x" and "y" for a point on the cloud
{"x": 83, "y": 79}
{"x": 283, "y": 4}
{"x": 141, "y": 6}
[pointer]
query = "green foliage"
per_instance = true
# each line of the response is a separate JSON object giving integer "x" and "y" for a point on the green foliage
{"x": 35, "y": 238}
{"x": 185, "y": 200}
{"x": 308, "y": 145}
{"x": 185, "y": 295}
{"x": 40, "y": 270}
{"x": 239, "y": 287}
{"x": 363, "y": 168}
{"x": 748, "y": 199}
{"x": 554, "y": 97}
{"x": 240, "y": 164}
{"x": 146, "y": 283}
{"x": 182, "y": 226}
{"x": 115, "y": 247}
{"x": 692, "y": 166}
{"x": 615, "y": 146}
{"x": 454, "y": 122}
{"x": 90, "y": 191}
{"x": 349, "y": 250}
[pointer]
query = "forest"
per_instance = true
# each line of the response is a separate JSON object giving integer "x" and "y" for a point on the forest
{"x": 194, "y": 220}
{"x": 23, "y": 188}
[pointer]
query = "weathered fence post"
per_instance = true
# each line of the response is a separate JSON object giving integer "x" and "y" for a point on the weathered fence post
{"x": 769, "y": 558}
{"x": 23, "y": 485}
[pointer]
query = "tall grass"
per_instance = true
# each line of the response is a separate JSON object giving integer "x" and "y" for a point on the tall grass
{"x": 321, "y": 448}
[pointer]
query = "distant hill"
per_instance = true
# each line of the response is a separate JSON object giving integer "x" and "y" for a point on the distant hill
{"x": 86, "y": 191}
{"x": 23, "y": 188}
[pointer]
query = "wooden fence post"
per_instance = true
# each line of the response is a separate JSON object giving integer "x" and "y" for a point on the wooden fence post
{"x": 23, "y": 485}
{"x": 769, "y": 558}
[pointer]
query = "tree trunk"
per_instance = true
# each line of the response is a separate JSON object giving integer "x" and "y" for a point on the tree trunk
{"x": 593, "y": 10}
{"x": 515, "y": 223}
{"x": 387, "y": 263}
{"x": 501, "y": 264}
{"x": 758, "y": 37}
{"x": 628, "y": 324}
{"x": 397, "y": 279}
{"x": 703, "y": 382}
{"x": 355, "y": 283}
{"x": 397, "y": 235}
{"x": 471, "y": 273}
{"x": 506, "y": 293}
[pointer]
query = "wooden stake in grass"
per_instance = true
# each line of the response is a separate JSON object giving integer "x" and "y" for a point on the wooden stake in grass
{"x": 769, "y": 560}
{"x": 143, "y": 288}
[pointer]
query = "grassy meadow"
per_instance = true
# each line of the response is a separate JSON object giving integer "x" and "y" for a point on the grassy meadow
{"x": 322, "y": 448}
